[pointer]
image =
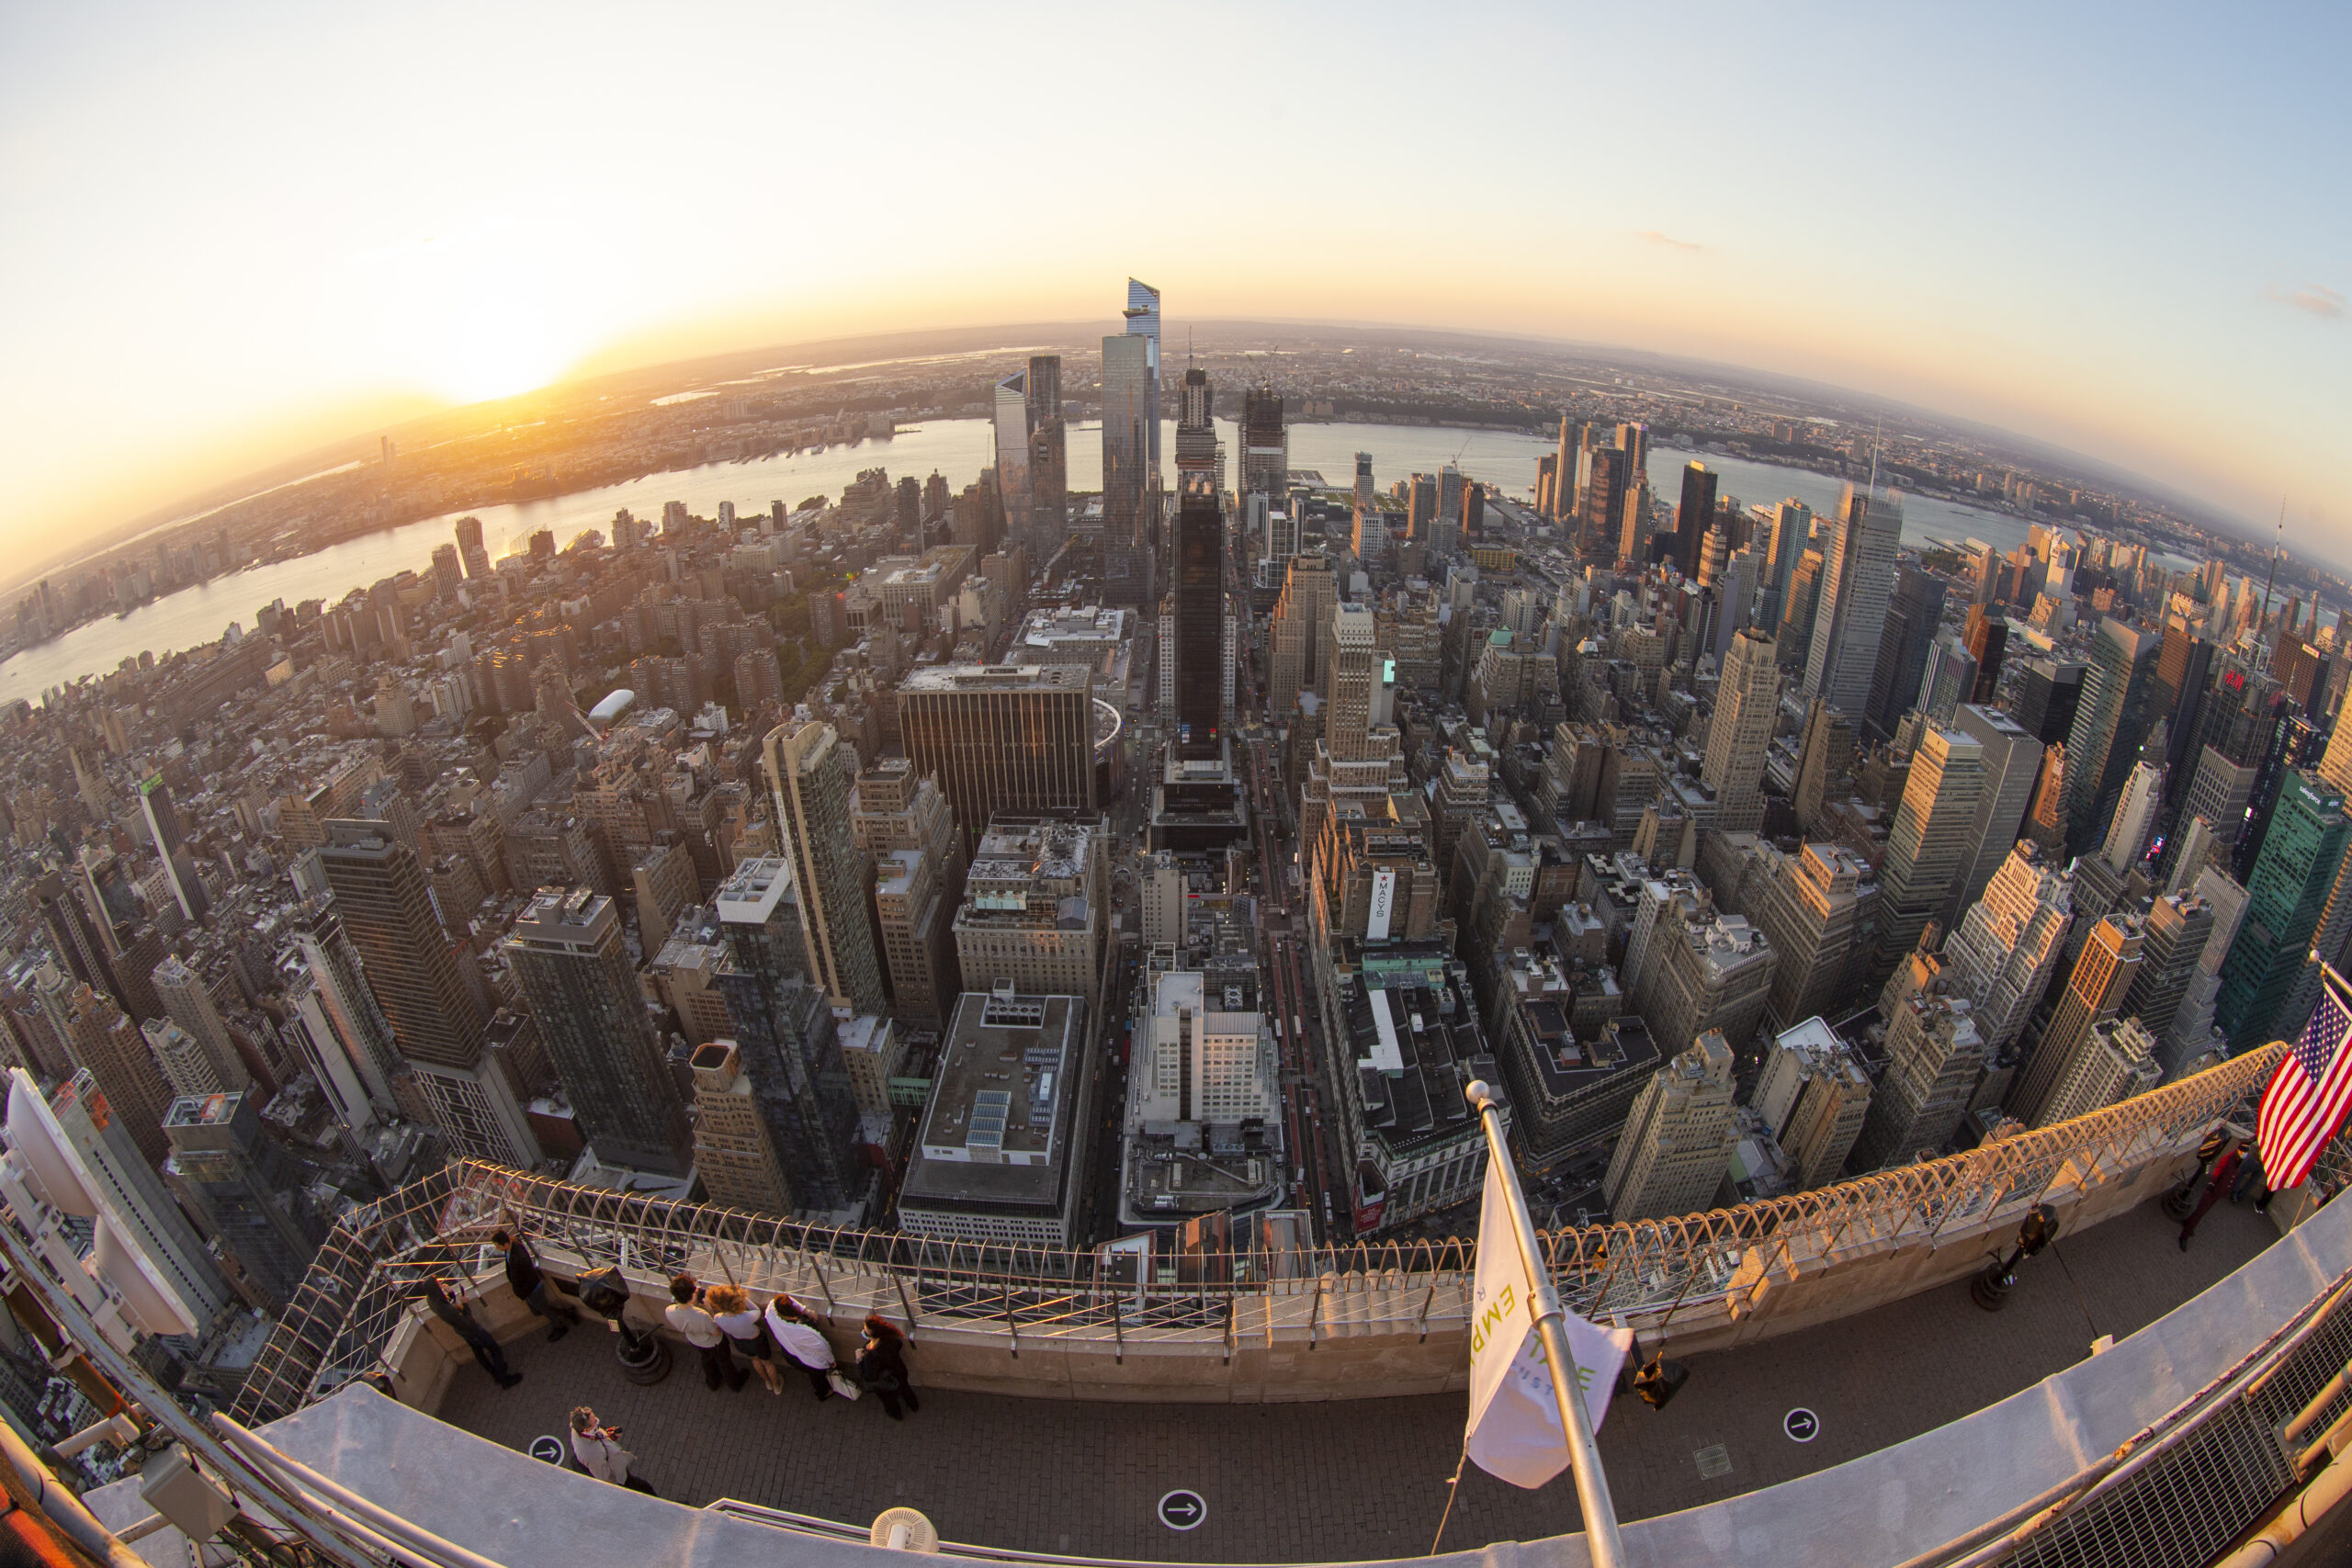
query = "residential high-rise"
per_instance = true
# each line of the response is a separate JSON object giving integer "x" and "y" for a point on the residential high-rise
{"x": 1825, "y": 761}
{"x": 2286, "y": 893}
{"x": 903, "y": 822}
{"x": 786, "y": 1042}
{"x": 566, "y": 954}
{"x": 1695, "y": 517}
{"x": 1934, "y": 1053}
{"x": 189, "y": 1004}
{"x": 411, "y": 971}
{"x": 1303, "y": 614}
{"x": 1857, "y": 579}
{"x": 1197, "y": 586}
{"x": 247, "y": 1189}
{"x": 164, "y": 829}
{"x": 1701, "y": 975}
{"x": 1929, "y": 845}
{"x": 809, "y": 775}
{"x": 2012, "y": 762}
{"x": 1809, "y": 907}
{"x": 1002, "y": 737}
{"x": 1739, "y": 737}
{"x": 2116, "y": 1060}
{"x": 1676, "y": 1142}
{"x": 2173, "y": 937}
{"x": 1913, "y": 612}
{"x": 2095, "y": 991}
{"x": 733, "y": 1154}
{"x": 2133, "y": 826}
{"x": 185, "y": 1065}
{"x": 1813, "y": 1094}
{"x": 2108, "y": 723}
{"x": 2008, "y": 943}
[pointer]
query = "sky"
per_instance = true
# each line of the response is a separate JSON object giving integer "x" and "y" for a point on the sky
{"x": 231, "y": 233}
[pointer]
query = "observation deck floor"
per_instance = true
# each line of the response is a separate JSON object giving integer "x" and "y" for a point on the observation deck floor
{"x": 1365, "y": 1480}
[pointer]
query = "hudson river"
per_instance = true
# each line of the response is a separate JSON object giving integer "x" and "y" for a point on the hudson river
{"x": 957, "y": 449}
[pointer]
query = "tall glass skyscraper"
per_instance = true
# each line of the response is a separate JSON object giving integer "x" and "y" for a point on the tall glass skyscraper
{"x": 1143, "y": 322}
{"x": 2285, "y": 897}
{"x": 1130, "y": 421}
{"x": 1198, "y": 616}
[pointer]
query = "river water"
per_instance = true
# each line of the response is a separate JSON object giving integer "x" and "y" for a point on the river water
{"x": 957, "y": 449}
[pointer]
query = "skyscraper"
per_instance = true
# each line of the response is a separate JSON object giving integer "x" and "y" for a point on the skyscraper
{"x": 1130, "y": 430}
{"x": 1301, "y": 620}
{"x": 1199, "y": 457}
{"x": 1792, "y": 530}
{"x": 1265, "y": 446}
{"x": 101, "y": 1040}
{"x": 1048, "y": 522}
{"x": 2048, "y": 693}
{"x": 2302, "y": 855}
{"x": 1143, "y": 322}
{"x": 2012, "y": 763}
{"x": 733, "y": 1154}
{"x": 387, "y": 911}
{"x": 1896, "y": 678}
{"x": 469, "y": 548}
{"x": 1825, "y": 760}
{"x": 138, "y": 1196}
{"x": 786, "y": 1042}
{"x": 189, "y": 1003}
{"x": 164, "y": 828}
{"x": 2116, "y": 1060}
{"x": 1002, "y": 737}
{"x": 1858, "y": 575}
{"x": 567, "y": 957}
{"x": 1987, "y": 639}
{"x": 2108, "y": 725}
{"x": 1198, "y": 617}
{"x": 1809, "y": 907}
{"x": 809, "y": 775}
{"x": 1010, "y": 412}
{"x": 2102, "y": 977}
{"x": 245, "y": 1188}
{"x": 1934, "y": 1055}
{"x": 1927, "y": 847}
{"x": 1695, "y": 517}
{"x": 2008, "y": 944}
{"x": 1740, "y": 734}
{"x": 1677, "y": 1142}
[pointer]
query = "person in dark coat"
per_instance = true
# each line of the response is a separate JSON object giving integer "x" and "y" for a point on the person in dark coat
{"x": 2225, "y": 1172}
{"x": 882, "y": 1367}
{"x": 487, "y": 1354}
{"x": 531, "y": 1287}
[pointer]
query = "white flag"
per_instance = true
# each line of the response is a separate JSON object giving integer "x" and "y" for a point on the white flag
{"x": 1514, "y": 1421}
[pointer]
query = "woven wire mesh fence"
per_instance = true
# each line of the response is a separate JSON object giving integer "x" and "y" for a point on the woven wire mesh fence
{"x": 343, "y": 1318}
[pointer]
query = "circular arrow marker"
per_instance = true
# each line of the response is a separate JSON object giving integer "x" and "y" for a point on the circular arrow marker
{"x": 547, "y": 1448}
{"x": 1802, "y": 1425}
{"x": 1183, "y": 1510}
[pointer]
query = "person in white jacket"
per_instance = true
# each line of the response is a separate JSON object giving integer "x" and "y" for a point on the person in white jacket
{"x": 598, "y": 1449}
{"x": 800, "y": 1341}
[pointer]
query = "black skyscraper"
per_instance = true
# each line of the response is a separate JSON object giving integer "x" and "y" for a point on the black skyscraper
{"x": 1695, "y": 517}
{"x": 1199, "y": 622}
{"x": 1912, "y": 612}
{"x": 1988, "y": 639}
{"x": 2047, "y": 695}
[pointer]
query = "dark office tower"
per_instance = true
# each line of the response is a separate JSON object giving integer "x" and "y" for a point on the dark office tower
{"x": 2285, "y": 895}
{"x": 1474, "y": 508}
{"x": 1198, "y": 614}
{"x": 568, "y": 959}
{"x": 79, "y": 946}
{"x": 2184, "y": 676}
{"x": 1913, "y": 611}
{"x": 1128, "y": 431}
{"x": 1792, "y": 528}
{"x": 447, "y": 571}
{"x": 1002, "y": 737}
{"x": 1049, "y": 490}
{"x": 245, "y": 1189}
{"x": 785, "y": 1039}
{"x": 1633, "y": 440}
{"x": 2301, "y": 670}
{"x": 810, "y": 777}
{"x": 1800, "y": 611}
{"x": 1600, "y": 531}
{"x": 1265, "y": 444}
{"x": 179, "y": 866}
{"x": 1200, "y": 461}
{"x": 2048, "y": 693}
{"x": 1420, "y": 506}
{"x": 1044, "y": 392}
{"x": 2110, "y": 723}
{"x": 1695, "y": 517}
{"x": 1988, "y": 637}
{"x": 387, "y": 911}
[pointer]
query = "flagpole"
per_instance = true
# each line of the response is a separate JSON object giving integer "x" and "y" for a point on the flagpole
{"x": 1584, "y": 1455}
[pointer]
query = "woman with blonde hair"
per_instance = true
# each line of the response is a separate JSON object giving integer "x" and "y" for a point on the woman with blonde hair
{"x": 732, "y": 1308}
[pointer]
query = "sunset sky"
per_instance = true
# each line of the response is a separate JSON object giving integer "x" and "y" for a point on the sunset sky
{"x": 233, "y": 231}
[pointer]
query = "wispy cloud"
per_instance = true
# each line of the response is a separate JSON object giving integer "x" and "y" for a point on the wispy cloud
{"x": 2324, "y": 304}
{"x": 1655, "y": 238}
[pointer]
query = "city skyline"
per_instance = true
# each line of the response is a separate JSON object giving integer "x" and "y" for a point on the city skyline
{"x": 394, "y": 260}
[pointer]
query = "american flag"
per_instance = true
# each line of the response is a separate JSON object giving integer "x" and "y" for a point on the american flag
{"x": 2308, "y": 1094}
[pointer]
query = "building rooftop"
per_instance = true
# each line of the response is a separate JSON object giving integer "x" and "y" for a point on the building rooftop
{"x": 998, "y": 1125}
{"x": 999, "y": 677}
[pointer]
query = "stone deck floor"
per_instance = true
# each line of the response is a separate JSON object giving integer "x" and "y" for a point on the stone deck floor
{"x": 1359, "y": 1479}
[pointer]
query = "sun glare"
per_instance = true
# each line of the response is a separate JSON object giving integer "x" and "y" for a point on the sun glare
{"x": 479, "y": 314}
